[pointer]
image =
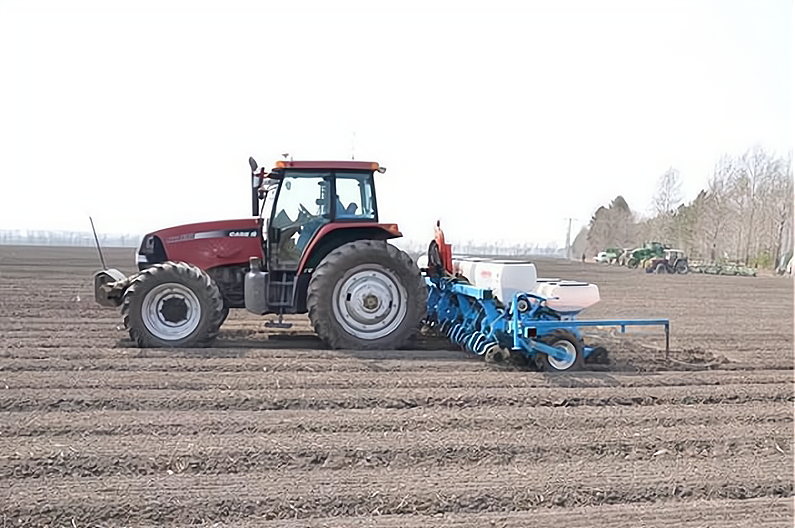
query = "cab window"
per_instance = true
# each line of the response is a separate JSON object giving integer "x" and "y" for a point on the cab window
{"x": 355, "y": 196}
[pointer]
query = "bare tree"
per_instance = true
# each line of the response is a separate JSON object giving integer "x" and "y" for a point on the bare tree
{"x": 778, "y": 192}
{"x": 717, "y": 215}
{"x": 621, "y": 223}
{"x": 688, "y": 225}
{"x": 598, "y": 230}
{"x": 755, "y": 165}
{"x": 669, "y": 192}
{"x": 666, "y": 199}
{"x": 580, "y": 244}
{"x": 611, "y": 226}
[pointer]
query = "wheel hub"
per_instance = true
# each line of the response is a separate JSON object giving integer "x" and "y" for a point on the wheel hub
{"x": 369, "y": 302}
{"x": 171, "y": 311}
{"x": 570, "y": 359}
{"x": 174, "y": 309}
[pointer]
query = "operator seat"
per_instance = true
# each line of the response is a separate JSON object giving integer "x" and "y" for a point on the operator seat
{"x": 350, "y": 211}
{"x": 346, "y": 212}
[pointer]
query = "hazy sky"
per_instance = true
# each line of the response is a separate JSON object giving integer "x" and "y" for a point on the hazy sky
{"x": 500, "y": 118}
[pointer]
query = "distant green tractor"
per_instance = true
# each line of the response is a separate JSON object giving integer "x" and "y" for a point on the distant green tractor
{"x": 650, "y": 250}
{"x": 608, "y": 256}
{"x": 626, "y": 254}
{"x": 613, "y": 254}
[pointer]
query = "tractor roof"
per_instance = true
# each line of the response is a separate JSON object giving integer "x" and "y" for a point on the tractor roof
{"x": 330, "y": 165}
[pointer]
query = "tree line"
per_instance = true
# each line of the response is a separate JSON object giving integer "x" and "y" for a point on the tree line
{"x": 65, "y": 238}
{"x": 745, "y": 214}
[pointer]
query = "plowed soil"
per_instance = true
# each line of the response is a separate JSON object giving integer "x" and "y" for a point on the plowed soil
{"x": 269, "y": 429}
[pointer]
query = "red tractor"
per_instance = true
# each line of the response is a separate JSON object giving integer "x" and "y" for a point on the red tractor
{"x": 314, "y": 244}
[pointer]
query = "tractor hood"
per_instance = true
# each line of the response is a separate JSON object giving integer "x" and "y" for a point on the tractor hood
{"x": 243, "y": 227}
{"x": 205, "y": 244}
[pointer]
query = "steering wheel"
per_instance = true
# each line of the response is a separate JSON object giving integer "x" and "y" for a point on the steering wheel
{"x": 303, "y": 218}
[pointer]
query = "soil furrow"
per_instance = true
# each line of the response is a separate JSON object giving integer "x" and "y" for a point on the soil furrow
{"x": 219, "y": 453}
{"x": 215, "y": 399}
{"x": 746, "y": 513}
{"x": 367, "y": 379}
{"x": 120, "y": 423}
{"x": 173, "y": 498}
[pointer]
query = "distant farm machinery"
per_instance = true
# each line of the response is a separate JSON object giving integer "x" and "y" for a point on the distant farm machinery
{"x": 637, "y": 258}
{"x": 672, "y": 261}
{"x": 723, "y": 268}
{"x": 500, "y": 310}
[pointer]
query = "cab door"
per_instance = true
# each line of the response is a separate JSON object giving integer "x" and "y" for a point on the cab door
{"x": 301, "y": 208}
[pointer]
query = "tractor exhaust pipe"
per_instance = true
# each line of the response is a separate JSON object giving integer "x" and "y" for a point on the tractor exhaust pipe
{"x": 256, "y": 183}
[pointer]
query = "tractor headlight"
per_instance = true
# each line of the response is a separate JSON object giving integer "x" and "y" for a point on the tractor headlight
{"x": 147, "y": 245}
{"x": 148, "y": 252}
{"x": 140, "y": 257}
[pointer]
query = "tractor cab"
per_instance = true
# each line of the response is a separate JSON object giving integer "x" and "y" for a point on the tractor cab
{"x": 303, "y": 201}
{"x": 672, "y": 261}
{"x": 672, "y": 255}
{"x": 307, "y": 210}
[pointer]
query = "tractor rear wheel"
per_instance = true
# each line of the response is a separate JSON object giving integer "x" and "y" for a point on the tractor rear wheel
{"x": 567, "y": 341}
{"x": 367, "y": 294}
{"x": 172, "y": 304}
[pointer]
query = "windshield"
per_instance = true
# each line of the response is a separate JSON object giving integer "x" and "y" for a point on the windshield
{"x": 303, "y": 194}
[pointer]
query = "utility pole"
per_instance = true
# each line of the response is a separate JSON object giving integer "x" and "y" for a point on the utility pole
{"x": 568, "y": 240}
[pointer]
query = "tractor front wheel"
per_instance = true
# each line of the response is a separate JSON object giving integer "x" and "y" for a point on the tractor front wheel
{"x": 172, "y": 304}
{"x": 682, "y": 268}
{"x": 367, "y": 294}
{"x": 224, "y": 313}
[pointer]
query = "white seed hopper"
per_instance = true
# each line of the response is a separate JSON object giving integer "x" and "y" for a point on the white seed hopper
{"x": 507, "y": 277}
{"x": 568, "y": 296}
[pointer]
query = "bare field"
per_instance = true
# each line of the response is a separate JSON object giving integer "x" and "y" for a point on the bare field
{"x": 269, "y": 429}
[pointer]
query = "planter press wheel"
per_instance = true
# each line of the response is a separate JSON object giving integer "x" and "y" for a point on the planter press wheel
{"x": 567, "y": 341}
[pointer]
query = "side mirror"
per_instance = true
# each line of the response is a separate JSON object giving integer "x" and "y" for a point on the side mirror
{"x": 252, "y": 164}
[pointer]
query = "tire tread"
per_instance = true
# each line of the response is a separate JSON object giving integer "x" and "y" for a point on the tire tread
{"x": 180, "y": 272}
{"x": 322, "y": 284}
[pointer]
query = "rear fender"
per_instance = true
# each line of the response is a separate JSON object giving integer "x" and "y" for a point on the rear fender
{"x": 331, "y": 236}
{"x": 327, "y": 239}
